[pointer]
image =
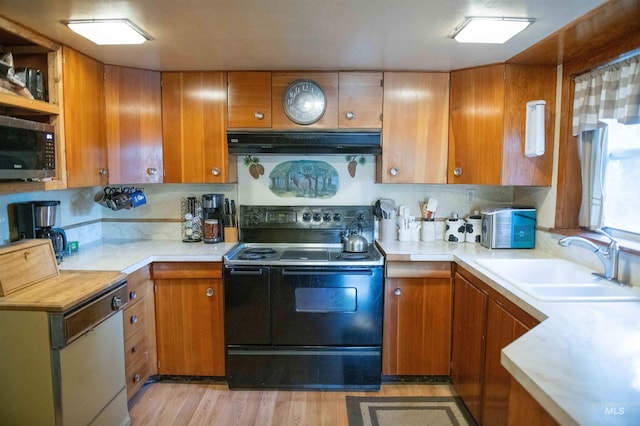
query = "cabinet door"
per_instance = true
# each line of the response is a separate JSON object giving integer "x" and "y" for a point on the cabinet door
{"x": 469, "y": 332}
{"x": 193, "y": 128}
{"x": 415, "y": 128}
{"x": 249, "y": 104}
{"x": 476, "y": 127}
{"x": 134, "y": 125}
{"x": 502, "y": 329}
{"x": 190, "y": 329}
{"x": 417, "y": 326}
{"x": 328, "y": 82}
{"x": 84, "y": 120}
{"x": 360, "y": 100}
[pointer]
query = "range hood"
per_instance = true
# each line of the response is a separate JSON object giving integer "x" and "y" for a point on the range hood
{"x": 325, "y": 142}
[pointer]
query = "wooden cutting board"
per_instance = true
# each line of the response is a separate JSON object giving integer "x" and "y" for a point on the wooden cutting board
{"x": 62, "y": 292}
{"x": 25, "y": 263}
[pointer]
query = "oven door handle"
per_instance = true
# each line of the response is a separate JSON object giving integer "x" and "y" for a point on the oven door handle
{"x": 246, "y": 271}
{"x": 327, "y": 272}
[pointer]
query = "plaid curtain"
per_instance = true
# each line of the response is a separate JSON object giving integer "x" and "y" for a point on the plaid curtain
{"x": 612, "y": 91}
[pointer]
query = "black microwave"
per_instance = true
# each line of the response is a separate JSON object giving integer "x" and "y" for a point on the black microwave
{"x": 27, "y": 149}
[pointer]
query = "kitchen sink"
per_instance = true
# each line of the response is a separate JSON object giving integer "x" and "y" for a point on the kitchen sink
{"x": 558, "y": 280}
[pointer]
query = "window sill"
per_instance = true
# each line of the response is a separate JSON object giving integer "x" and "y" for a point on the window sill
{"x": 627, "y": 246}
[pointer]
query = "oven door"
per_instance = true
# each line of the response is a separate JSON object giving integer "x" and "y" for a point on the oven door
{"x": 326, "y": 306}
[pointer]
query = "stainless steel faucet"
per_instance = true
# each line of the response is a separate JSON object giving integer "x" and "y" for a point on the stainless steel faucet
{"x": 608, "y": 257}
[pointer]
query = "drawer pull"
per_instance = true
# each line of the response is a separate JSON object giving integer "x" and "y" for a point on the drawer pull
{"x": 136, "y": 378}
{"x": 133, "y": 295}
{"x": 209, "y": 292}
{"x": 134, "y": 349}
{"x": 397, "y": 292}
{"x": 134, "y": 319}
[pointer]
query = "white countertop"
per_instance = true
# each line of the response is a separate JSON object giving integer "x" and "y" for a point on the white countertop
{"x": 129, "y": 255}
{"x": 582, "y": 363}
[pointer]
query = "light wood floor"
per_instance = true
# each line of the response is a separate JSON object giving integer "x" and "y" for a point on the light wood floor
{"x": 171, "y": 403}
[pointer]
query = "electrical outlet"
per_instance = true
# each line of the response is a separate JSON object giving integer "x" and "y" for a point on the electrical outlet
{"x": 470, "y": 195}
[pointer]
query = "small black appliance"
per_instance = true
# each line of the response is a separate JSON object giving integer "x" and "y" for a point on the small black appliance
{"x": 37, "y": 219}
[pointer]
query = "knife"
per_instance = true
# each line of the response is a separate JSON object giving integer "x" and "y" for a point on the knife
{"x": 233, "y": 213}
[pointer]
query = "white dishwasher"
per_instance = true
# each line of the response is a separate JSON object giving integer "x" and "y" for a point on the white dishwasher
{"x": 65, "y": 368}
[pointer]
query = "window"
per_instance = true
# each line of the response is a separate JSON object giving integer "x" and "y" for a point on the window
{"x": 621, "y": 183}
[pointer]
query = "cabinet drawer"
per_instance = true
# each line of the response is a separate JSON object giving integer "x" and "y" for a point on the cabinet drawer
{"x": 170, "y": 270}
{"x": 135, "y": 348}
{"x": 418, "y": 270}
{"x": 137, "y": 374}
{"x": 134, "y": 319}
{"x": 136, "y": 282}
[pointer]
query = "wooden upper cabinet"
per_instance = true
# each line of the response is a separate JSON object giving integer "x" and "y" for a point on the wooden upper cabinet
{"x": 360, "y": 100}
{"x": 84, "y": 120}
{"x": 134, "y": 125}
{"x": 249, "y": 99}
{"x": 328, "y": 82}
{"x": 194, "y": 116}
{"x": 487, "y": 125}
{"x": 414, "y": 128}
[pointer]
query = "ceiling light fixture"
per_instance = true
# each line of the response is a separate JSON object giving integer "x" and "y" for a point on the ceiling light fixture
{"x": 488, "y": 29}
{"x": 108, "y": 31}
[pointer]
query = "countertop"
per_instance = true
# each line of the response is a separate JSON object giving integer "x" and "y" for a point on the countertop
{"x": 582, "y": 363}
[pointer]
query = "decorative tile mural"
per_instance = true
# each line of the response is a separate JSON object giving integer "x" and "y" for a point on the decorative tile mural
{"x": 304, "y": 179}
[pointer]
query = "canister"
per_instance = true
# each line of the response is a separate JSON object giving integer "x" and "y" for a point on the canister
{"x": 454, "y": 229}
{"x": 473, "y": 228}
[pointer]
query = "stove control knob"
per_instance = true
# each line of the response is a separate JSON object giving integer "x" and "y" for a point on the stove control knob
{"x": 360, "y": 217}
{"x": 317, "y": 217}
{"x": 327, "y": 217}
{"x": 306, "y": 216}
{"x": 337, "y": 217}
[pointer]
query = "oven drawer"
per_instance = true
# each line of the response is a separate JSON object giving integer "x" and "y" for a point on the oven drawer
{"x": 318, "y": 306}
{"x": 357, "y": 368}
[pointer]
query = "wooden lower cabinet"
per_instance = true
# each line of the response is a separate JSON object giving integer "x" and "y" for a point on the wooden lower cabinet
{"x": 524, "y": 410}
{"x": 484, "y": 322}
{"x": 140, "y": 356}
{"x": 189, "y": 318}
{"x": 417, "y": 318}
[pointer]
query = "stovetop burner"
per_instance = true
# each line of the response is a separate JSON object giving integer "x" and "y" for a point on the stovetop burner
{"x": 352, "y": 256}
{"x": 259, "y": 250}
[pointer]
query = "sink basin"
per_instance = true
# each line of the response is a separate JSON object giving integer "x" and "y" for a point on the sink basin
{"x": 558, "y": 280}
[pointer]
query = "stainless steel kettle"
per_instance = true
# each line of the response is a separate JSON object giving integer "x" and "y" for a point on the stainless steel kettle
{"x": 354, "y": 243}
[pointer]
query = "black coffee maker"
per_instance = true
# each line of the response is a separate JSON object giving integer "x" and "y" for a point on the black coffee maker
{"x": 37, "y": 219}
{"x": 213, "y": 211}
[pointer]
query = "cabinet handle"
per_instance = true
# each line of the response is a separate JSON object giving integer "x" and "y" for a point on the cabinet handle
{"x": 397, "y": 292}
{"x": 215, "y": 171}
{"x": 394, "y": 171}
{"x": 258, "y": 115}
{"x": 350, "y": 115}
{"x": 152, "y": 171}
{"x": 136, "y": 378}
{"x": 103, "y": 172}
{"x": 209, "y": 292}
{"x": 134, "y": 319}
{"x": 457, "y": 171}
{"x": 133, "y": 295}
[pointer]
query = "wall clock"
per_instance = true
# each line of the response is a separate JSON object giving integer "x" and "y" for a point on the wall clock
{"x": 304, "y": 102}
